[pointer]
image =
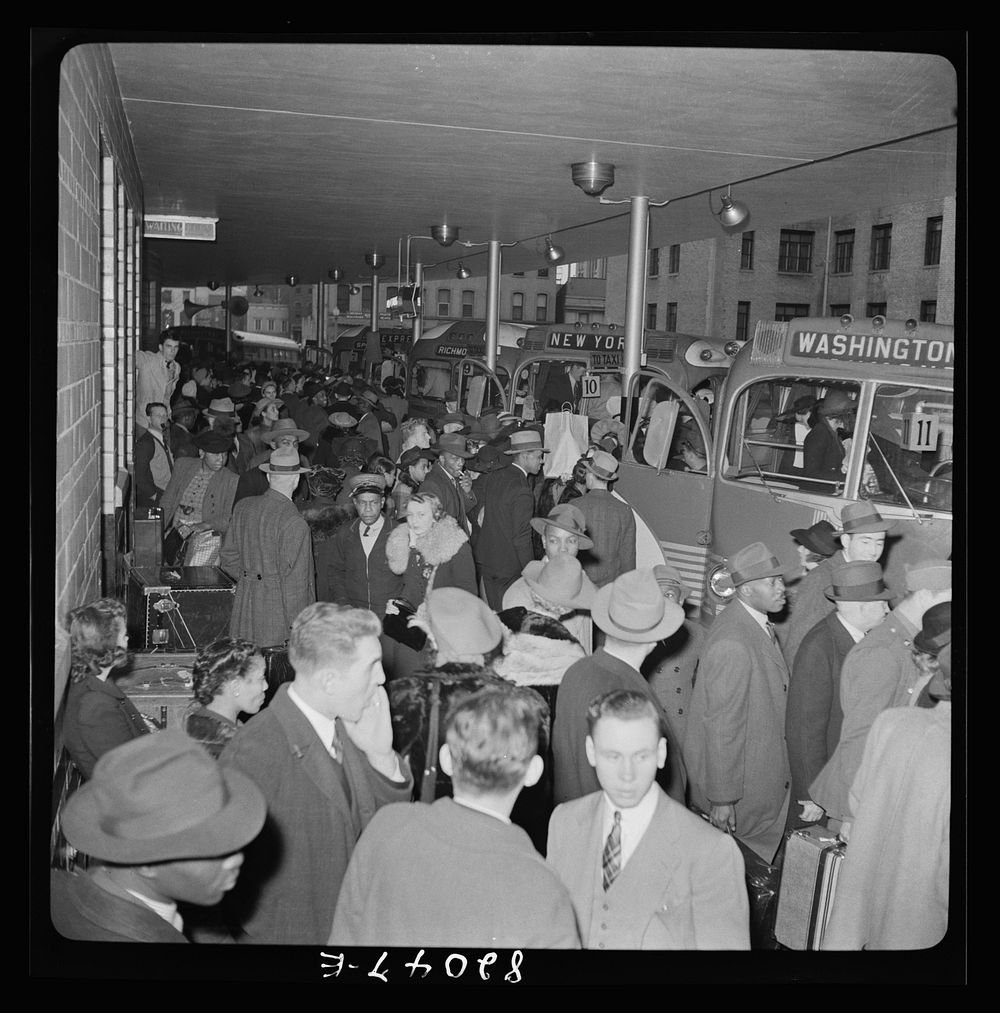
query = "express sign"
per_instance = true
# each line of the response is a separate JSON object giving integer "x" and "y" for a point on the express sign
{"x": 887, "y": 350}
{"x": 587, "y": 342}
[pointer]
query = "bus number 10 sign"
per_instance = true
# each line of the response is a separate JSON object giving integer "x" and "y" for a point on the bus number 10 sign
{"x": 590, "y": 385}
{"x": 920, "y": 432}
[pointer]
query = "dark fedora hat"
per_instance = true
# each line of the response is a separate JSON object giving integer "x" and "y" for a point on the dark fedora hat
{"x": 162, "y": 798}
{"x": 414, "y": 454}
{"x": 754, "y": 562}
{"x": 183, "y": 406}
{"x": 488, "y": 459}
{"x": 935, "y": 632}
{"x": 212, "y": 441}
{"x": 454, "y": 443}
{"x": 837, "y": 402}
{"x": 818, "y": 538}
{"x": 566, "y": 517}
{"x": 858, "y": 581}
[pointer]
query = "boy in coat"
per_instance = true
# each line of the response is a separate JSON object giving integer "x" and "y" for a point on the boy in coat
{"x": 643, "y": 872}
{"x": 458, "y": 873}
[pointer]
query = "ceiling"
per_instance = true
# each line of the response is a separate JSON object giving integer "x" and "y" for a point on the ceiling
{"x": 312, "y": 155}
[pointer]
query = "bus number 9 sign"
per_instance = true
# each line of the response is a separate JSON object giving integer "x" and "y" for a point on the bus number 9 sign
{"x": 920, "y": 432}
{"x": 590, "y": 385}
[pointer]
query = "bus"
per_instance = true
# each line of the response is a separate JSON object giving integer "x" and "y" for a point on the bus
{"x": 248, "y": 346}
{"x": 899, "y": 377}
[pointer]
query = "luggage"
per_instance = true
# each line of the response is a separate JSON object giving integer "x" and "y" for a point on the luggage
{"x": 813, "y": 858}
{"x": 160, "y": 685}
{"x": 148, "y": 544}
{"x": 178, "y": 608}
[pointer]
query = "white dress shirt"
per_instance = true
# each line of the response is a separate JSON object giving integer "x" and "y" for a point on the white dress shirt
{"x": 368, "y": 541}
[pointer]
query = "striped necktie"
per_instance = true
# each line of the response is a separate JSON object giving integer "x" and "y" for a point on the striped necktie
{"x": 770, "y": 632}
{"x": 611, "y": 861}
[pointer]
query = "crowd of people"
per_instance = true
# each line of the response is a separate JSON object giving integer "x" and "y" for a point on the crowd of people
{"x": 439, "y": 600}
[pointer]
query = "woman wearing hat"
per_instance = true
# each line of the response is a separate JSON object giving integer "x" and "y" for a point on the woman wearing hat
{"x": 228, "y": 681}
{"x": 822, "y": 449}
{"x": 266, "y": 412}
{"x": 198, "y": 502}
{"x": 414, "y": 465}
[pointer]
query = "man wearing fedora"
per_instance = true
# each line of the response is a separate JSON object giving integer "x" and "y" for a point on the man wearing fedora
{"x": 166, "y": 825}
{"x": 634, "y": 615}
{"x": 313, "y": 415}
{"x": 268, "y": 552}
{"x": 610, "y": 523}
{"x": 862, "y": 534}
{"x": 284, "y": 433}
{"x": 458, "y": 872}
{"x": 153, "y": 461}
{"x": 734, "y": 745}
{"x": 822, "y": 450}
{"x": 359, "y": 573}
{"x": 448, "y": 481}
{"x": 643, "y": 872}
{"x": 813, "y": 716}
{"x": 503, "y": 545}
{"x": 321, "y": 752}
{"x": 879, "y": 672}
{"x": 934, "y": 636}
{"x": 184, "y": 415}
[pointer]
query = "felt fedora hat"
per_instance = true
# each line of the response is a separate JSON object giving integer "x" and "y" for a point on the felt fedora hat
{"x": 488, "y": 459}
{"x": 818, "y": 538}
{"x": 220, "y": 406}
{"x": 162, "y": 798}
{"x": 561, "y": 581}
{"x": 566, "y": 517}
{"x": 603, "y": 465}
{"x": 525, "y": 440}
{"x": 861, "y": 519}
{"x": 183, "y": 406}
{"x": 239, "y": 390}
{"x": 454, "y": 443}
{"x": 265, "y": 402}
{"x": 213, "y": 442}
{"x": 284, "y": 427}
{"x": 284, "y": 461}
{"x": 754, "y": 562}
{"x": 461, "y": 624}
{"x": 935, "y": 632}
{"x": 858, "y": 581}
{"x": 928, "y": 575}
{"x": 414, "y": 454}
{"x": 631, "y": 608}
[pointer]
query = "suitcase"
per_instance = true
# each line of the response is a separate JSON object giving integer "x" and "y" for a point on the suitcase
{"x": 813, "y": 859}
{"x": 160, "y": 685}
{"x": 179, "y": 608}
{"x": 148, "y": 540}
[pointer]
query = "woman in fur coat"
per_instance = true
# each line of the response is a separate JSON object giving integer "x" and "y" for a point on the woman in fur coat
{"x": 325, "y": 517}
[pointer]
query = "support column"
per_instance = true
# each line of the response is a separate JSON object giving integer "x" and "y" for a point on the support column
{"x": 493, "y": 305}
{"x": 635, "y": 289}
{"x": 418, "y": 320}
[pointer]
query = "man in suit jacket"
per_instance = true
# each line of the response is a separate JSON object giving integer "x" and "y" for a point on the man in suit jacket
{"x": 503, "y": 545}
{"x": 359, "y": 573}
{"x": 643, "y": 872}
{"x": 814, "y": 716}
{"x": 632, "y": 603}
{"x": 448, "y": 481}
{"x": 734, "y": 746}
{"x": 610, "y": 523}
{"x": 458, "y": 873}
{"x": 321, "y": 753}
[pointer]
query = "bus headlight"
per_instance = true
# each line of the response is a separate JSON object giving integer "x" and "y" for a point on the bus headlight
{"x": 732, "y": 347}
{"x": 720, "y": 583}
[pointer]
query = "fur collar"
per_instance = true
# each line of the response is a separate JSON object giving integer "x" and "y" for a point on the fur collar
{"x": 529, "y": 659}
{"x": 325, "y": 522}
{"x": 439, "y": 545}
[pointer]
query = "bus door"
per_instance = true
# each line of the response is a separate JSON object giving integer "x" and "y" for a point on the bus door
{"x": 671, "y": 493}
{"x": 479, "y": 387}
{"x": 897, "y": 444}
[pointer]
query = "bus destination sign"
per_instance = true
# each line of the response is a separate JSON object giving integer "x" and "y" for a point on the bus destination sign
{"x": 582, "y": 341}
{"x": 883, "y": 349}
{"x": 460, "y": 351}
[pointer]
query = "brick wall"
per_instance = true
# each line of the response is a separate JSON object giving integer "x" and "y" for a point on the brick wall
{"x": 90, "y": 108}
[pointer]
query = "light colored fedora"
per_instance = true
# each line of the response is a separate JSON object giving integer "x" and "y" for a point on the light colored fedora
{"x": 631, "y": 608}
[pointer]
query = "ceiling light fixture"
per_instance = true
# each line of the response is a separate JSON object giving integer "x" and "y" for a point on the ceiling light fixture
{"x": 463, "y": 272}
{"x": 732, "y": 212}
{"x": 354, "y": 289}
{"x": 553, "y": 254}
{"x": 444, "y": 234}
{"x": 213, "y": 285}
{"x": 257, "y": 291}
{"x": 374, "y": 260}
{"x": 335, "y": 274}
{"x": 292, "y": 279}
{"x": 593, "y": 178}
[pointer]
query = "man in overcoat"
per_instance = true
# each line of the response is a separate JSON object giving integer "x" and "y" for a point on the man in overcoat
{"x": 734, "y": 745}
{"x": 503, "y": 545}
{"x": 643, "y": 872}
{"x": 268, "y": 552}
{"x": 321, "y": 752}
{"x": 448, "y": 481}
{"x": 610, "y": 523}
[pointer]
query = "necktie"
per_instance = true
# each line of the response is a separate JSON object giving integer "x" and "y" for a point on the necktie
{"x": 770, "y": 632}
{"x": 611, "y": 861}
{"x": 364, "y": 534}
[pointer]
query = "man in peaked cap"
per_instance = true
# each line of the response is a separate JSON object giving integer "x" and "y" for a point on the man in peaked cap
{"x": 634, "y": 615}
{"x": 610, "y": 523}
{"x": 169, "y": 823}
{"x": 502, "y": 548}
{"x": 734, "y": 746}
{"x": 878, "y": 673}
{"x": 448, "y": 481}
{"x": 862, "y": 534}
{"x": 814, "y": 716}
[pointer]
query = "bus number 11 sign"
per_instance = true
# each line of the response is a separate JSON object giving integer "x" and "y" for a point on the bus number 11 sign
{"x": 920, "y": 432}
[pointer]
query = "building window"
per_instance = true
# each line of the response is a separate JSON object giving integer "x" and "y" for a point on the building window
{"x": 391, "y": 292}
{"x": 651, "y": 315}
{"x": 875, "y": 309}
{"x": 517, "y": 306}
{"x": 167, "y": 295}
{"x": 881, "y": 247}
{"x": 282, "y": 325}
{"x": 444, "y": 302}
{"x": 256, "y": 324}
{"x": 671, "y": 323}
{"x": 599, "y": 268}
{"x": 932, "y": 244}
{"x": 468, "y": 303}
{"x": 795, "y": 252}
{"x": 541, "y": 307}
{"x": 675, "y": 258}
{"x": 838, "y": 309}
{"x": 186, "y": 293}
{"x": 746, "y": 252}
{"x": 344, "y": 298}
{"x": 790, "y": 310}
{"x": 928, "y": 311}
{"x": 743, "y": 317}
{"x": 366, "y": 299}
{"x": 543, "y": 272}
{"x": 653, "y": 263}
{"x": 843, "y": 251}
{"x": 270, "y": 323}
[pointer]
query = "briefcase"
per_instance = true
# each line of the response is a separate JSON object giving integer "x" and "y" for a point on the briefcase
{"x": 159, "y": 684}
{"x": 813, "y": 859}
{"x": 178, "y": 607}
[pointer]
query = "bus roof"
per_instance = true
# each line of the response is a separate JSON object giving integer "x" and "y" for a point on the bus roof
{"x": 266, "y": 340}
{"x": 468, "y": 337}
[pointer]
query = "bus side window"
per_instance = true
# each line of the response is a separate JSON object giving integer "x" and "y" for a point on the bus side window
{"x": 654, "y": 414}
